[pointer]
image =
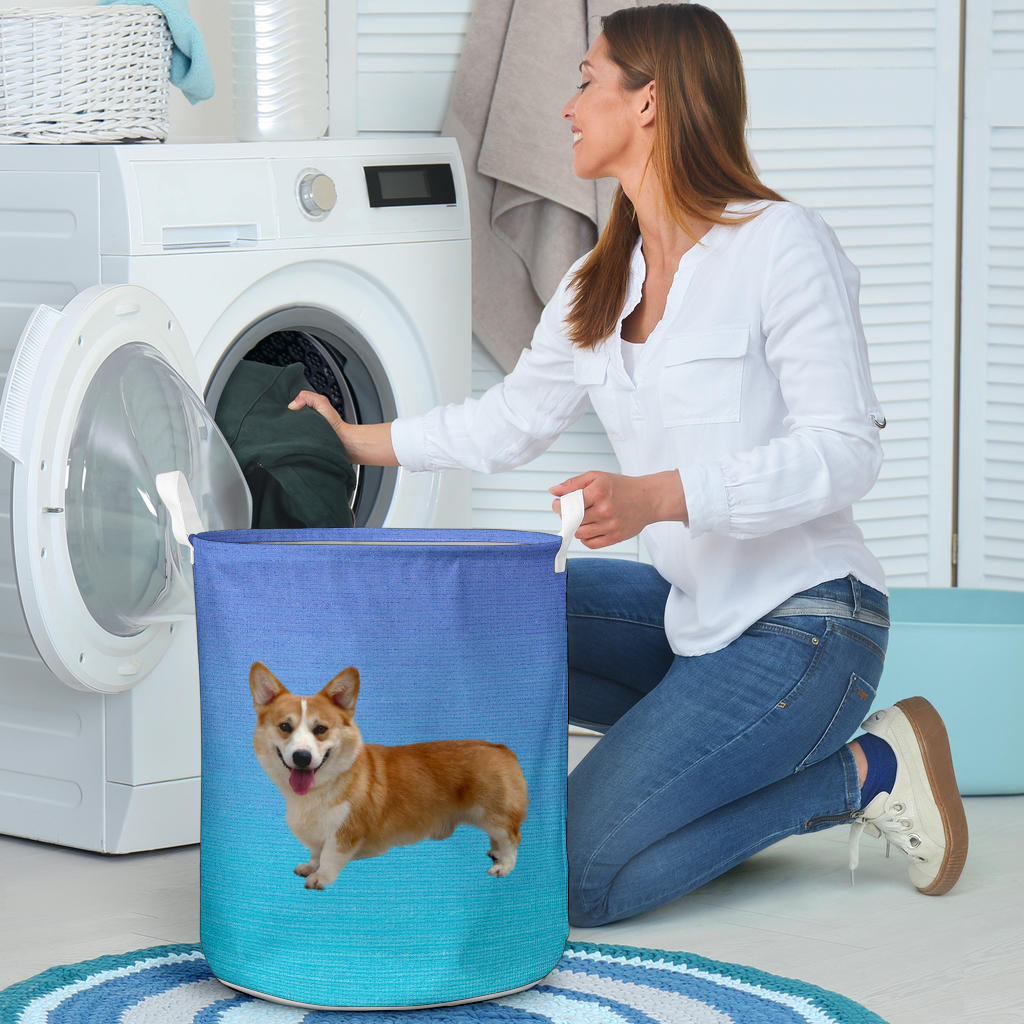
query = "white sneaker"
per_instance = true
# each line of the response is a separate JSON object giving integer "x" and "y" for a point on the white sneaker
{"x": 923, "y": 815}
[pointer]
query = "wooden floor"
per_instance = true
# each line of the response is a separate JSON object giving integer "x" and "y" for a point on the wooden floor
{"x": 955, "y": 959}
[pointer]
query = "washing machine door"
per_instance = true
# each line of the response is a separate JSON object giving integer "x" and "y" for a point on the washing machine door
{"x": 102, "y": 397}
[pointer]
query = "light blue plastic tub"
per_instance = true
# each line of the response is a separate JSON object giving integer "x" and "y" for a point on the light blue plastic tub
{"x": 964, "y": 651}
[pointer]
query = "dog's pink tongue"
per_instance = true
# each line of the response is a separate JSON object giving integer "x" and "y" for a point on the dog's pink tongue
{"x": 301, "y": 780}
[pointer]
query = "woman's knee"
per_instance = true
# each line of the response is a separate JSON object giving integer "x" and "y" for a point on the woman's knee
{"x": 585, "y": 914}
{"x": 605, "y": 586}
{"x": 589, "y": 891}
{"x": 615, "y": 613}
{"x": 595, "y": 859}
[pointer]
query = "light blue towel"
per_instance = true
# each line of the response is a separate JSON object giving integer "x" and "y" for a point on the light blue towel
{"x": 190, "y": 66}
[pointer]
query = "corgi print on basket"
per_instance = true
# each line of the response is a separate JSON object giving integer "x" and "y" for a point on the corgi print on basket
{"x": 347, "y": 800}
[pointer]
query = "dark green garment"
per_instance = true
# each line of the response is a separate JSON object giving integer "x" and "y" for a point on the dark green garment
{"x": 293, "y": 462}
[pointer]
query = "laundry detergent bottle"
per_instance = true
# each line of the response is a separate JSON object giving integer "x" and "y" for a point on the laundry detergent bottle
{"x": 279, "y": 49}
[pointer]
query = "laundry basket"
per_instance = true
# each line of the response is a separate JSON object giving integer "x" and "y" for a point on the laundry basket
{"x": 442, "y": 877}
{"x": 84, "y": 74}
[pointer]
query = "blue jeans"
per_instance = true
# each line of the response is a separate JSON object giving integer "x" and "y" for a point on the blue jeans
{"x": 706, "y": 760}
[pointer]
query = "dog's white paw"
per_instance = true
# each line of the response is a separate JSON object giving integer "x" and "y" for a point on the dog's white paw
{"x": 305, "y": 870}
{"x": 318, "y": 881}
{"x": 503, "y": 855}
{"x": 500, "y": 868}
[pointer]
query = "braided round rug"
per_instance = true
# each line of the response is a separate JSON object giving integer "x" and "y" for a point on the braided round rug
{"x": 592, "y": 984}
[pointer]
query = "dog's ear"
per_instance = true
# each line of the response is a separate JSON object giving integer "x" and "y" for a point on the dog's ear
{"x": 264, "y": 684}
{"x": 343, "y": 689}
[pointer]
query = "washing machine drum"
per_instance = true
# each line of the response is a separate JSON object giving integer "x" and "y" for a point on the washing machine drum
{"x": 297, "y": 472}
{"x": 322, "y": 366}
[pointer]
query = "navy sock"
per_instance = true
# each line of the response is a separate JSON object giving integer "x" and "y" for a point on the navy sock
{"x": 881, "y": 768}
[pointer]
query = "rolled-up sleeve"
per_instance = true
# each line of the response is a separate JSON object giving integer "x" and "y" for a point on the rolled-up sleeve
{"x": 829, "y": 454}
{"x": 511, "y": 423}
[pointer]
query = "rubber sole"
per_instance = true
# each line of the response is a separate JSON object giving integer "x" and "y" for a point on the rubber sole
{"x": 938, "y": 763}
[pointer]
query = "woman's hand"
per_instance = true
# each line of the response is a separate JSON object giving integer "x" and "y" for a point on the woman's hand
{"x": 365, "y": 444}
{"x": 322, "y": 404}
{"x": 618, "y": 507}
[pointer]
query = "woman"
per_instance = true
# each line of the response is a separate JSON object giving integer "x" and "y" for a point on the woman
{"x": 715, "y": 330}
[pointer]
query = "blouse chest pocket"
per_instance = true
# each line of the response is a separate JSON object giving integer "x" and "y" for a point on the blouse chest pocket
{"x": 590, "y": 370}
{"x": 702, "y": 381}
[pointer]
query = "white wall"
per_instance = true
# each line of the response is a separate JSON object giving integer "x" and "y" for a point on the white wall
{"x": 212, "y": 118}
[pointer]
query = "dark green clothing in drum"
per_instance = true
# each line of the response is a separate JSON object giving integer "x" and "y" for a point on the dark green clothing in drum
{"x": 293, "y": 462}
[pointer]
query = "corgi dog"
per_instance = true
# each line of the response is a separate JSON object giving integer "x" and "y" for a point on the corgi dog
{"x": 346, "y": 800}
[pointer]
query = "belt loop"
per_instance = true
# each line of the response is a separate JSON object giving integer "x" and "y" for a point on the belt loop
{"x": 855, "y": 587}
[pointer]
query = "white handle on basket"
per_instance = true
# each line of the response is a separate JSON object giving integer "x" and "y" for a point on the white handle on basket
{"x": 175, "y": 494}
{"x": 572, "y": 516}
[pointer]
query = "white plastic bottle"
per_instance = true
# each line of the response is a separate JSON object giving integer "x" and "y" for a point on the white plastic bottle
{"x": 280, "y": 68}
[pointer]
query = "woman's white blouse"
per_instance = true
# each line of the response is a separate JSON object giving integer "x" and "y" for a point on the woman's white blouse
{"x": 755, "y": 386}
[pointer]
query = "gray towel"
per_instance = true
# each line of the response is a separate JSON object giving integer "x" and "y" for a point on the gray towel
{"x": 531, "y": 216}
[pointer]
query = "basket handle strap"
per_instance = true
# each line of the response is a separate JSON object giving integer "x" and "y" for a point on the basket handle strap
{"x": 177, "y": 496}
{"x": 571, "y": 505}
{"x": 175, "y": 493}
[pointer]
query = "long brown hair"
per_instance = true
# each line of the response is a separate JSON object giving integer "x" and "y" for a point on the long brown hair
{"x": 699, "y": 152}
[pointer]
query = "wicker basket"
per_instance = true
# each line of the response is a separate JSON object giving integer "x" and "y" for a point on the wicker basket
{"x": 83, "y": 74}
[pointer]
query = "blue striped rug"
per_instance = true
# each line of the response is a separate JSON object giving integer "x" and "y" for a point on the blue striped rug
{"x": 592, "y": 984}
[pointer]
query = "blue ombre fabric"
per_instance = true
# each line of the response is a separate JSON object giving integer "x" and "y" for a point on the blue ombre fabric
{"x": 456, "y": 635}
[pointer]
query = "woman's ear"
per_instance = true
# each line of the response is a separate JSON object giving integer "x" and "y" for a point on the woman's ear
{"x": 647, "y": 104}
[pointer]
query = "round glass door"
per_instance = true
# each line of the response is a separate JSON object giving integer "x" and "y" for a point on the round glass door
{"x": 102, "y": 397}
{"x": 139, "y": 418}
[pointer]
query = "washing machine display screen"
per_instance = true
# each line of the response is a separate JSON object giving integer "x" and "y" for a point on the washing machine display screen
{"x": 139, "y": 418}
{"x": 410, "y": 185}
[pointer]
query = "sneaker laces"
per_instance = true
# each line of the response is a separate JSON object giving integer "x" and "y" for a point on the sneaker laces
{"x": 893, "y": 824}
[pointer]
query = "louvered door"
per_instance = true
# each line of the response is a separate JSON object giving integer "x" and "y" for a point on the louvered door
{"x": 853, "y": 111}
{"x": 398, "y": 57}
{"x": 991, "y": 527}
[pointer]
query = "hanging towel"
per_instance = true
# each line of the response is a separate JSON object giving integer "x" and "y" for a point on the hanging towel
{"x": 190, "y": 66}
{"x": 531, "y": 216}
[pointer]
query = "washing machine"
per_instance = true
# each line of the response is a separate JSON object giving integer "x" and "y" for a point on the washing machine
{"x": 134, "y": 281}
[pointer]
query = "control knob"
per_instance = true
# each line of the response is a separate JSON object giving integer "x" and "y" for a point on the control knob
{"x": 317, "y": 194}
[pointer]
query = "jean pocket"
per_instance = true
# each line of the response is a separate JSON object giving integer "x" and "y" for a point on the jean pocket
{"x": 809, "y": 629}
{"x": 852, "y": 710}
